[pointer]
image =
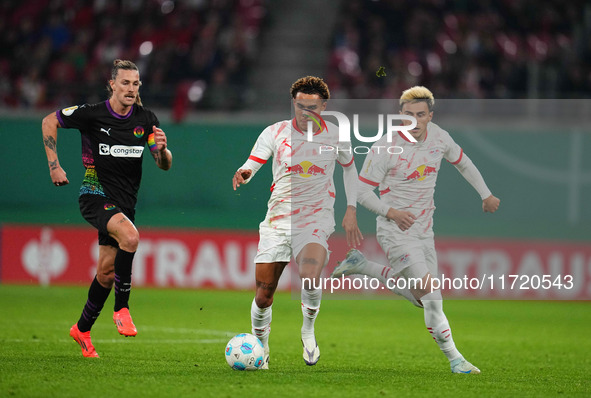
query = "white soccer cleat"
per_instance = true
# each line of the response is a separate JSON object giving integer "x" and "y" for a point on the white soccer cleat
{"x": 311, "y": 351}
{"x": 265, "y": 364}
{"x": 353, "y": 264}
{"x": 460, "y": 365}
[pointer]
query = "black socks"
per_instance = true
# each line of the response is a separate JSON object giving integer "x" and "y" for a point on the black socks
{"x": 123, "y": 262}
{"x": 97, "y": 295}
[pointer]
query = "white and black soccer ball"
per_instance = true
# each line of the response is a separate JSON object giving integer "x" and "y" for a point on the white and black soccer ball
{"x": 245, "y": 352}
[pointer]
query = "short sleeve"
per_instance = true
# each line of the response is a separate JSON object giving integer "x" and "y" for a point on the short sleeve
{"x": 345, "y": 154}
{"x": 453, "y": 152}
{"x": 375, "y": 166}
{"x": 74, "y": 117}
{"x": 263, "y": 147}
{"x": 155, "y": 121}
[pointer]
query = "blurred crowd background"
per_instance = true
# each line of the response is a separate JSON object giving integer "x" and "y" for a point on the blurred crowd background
{"x": 199, "y": 54}
{"x": 463, "y": 48}
{"x": 58, "y": 52}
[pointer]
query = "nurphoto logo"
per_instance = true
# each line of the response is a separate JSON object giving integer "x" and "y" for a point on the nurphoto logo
{"x": 344, "y": 126}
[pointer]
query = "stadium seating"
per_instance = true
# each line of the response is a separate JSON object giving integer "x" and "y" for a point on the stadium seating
{"x": 56, "y": 53}
{"x": 462, "y": 49}
{"x": 200, "y": 54}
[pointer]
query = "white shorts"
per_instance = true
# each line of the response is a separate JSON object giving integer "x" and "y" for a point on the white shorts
{"x": 413, "y": 258}
{"x": 278, "y": 245}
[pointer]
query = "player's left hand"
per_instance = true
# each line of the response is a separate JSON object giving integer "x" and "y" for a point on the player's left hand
{"x": 159, "y": 138}
{"x": 354, "y": 236}
{"x": 490, "y": 204}
{"x": 240, "y": 177}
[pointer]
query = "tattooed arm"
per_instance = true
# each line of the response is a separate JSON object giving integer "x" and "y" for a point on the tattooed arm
{"x": 49, "y": 129}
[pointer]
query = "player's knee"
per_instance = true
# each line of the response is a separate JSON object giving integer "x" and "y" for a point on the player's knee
{"x": 130, "y": 241}
{"x": 263, "y": 300}
{"x": 310, "y": 275}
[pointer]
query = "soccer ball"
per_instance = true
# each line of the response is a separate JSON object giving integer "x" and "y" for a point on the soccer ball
{"x": 245, "y": 352}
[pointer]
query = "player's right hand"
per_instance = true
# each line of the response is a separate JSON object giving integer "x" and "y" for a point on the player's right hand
{"x": 58, "y": 177}
{"x": 240, "y": 177}
{"x": 490, "y": 204}
{"x": 404, "y": 219}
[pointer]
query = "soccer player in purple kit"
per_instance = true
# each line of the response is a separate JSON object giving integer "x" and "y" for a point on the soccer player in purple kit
{"x": 114, "y": 134}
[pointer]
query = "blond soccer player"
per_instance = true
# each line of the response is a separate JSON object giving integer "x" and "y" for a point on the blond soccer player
{"x": 405, "y": 209}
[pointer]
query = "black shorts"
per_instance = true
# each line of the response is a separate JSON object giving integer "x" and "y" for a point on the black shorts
{"x": 98, "y": 210}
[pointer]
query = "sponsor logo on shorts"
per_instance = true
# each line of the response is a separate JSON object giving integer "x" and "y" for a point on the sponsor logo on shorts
{"x": 138, "y": 131}
{"x": 121, "y": 151}
{"x": 109, "y": 206}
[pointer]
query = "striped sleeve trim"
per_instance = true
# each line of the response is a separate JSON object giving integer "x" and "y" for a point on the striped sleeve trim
{"x": 258, "y": 160}
{"x": 365, "y": 180}
{"x": 460, "y": 158}
{"x": 59, "y": 119}
{"x": 348, "y": 164}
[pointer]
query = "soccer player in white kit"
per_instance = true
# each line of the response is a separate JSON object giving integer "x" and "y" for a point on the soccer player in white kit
{"x": 300, "y": 216}
{"x": 405, "y": 209}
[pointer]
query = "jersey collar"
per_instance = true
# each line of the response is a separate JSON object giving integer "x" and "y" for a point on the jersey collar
{"x": 407, "y": 140}
{"x": 295, "y": 126}
{"x": 118, "y": 116}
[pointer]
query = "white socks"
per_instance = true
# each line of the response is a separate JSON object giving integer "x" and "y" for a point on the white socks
{"x": 261, "y": 317}
{"x": 261, "y": 322}
{"x": 438, "y": 326}
{"x": 310, "y": 308}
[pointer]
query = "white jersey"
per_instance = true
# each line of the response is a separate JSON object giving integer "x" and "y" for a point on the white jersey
{"x": 303, "y": 187}
{"x": 407, "y": 181}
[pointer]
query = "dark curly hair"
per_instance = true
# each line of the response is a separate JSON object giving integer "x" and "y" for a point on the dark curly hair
{"x": 310, "y": 85}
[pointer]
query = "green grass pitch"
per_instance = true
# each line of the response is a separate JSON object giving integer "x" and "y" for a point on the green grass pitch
{"x": 369, "y": 348}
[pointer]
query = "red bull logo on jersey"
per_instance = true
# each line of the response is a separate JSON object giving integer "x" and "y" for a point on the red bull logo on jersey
{"x": 421, "y": 172}
{"x": 306, "y": 169}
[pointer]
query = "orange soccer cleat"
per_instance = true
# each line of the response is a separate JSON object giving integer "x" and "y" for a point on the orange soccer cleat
{"x": 84, "y": 340}
{"x": 124, "y": 323}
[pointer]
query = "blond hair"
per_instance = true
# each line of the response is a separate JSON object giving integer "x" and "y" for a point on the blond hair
{"x": 417, "y": 94}
{"x": 125, "y": 65}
